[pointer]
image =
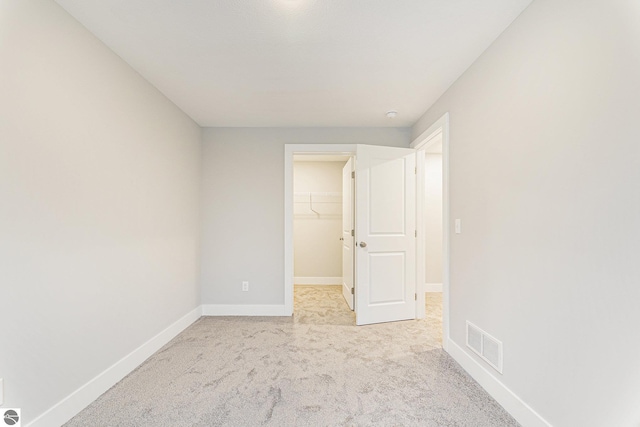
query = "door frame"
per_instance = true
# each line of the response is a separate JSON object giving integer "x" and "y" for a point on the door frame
{"x": 289, "y": 151}
{"x": 348, "y": 181}
{"x": 440, "y": 126}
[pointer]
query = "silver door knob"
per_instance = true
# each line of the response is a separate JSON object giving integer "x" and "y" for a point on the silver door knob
{"x": 363, "y": 244}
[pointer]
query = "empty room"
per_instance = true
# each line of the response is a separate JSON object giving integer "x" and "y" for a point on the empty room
{"x": 320, "y": 213}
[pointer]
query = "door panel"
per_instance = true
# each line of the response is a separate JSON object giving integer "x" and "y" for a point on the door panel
{"x": 385, "y": 234}
{"x": 384, "y": 268}
{"x": 347, "y": 238}
{"x": 387, "y": 201}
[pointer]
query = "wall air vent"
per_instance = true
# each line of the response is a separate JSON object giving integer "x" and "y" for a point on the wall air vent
{"x": 485, "y": 346}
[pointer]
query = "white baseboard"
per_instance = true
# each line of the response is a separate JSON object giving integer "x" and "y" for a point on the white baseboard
{"x": 242, "y": 310}
{"x": 433, "y": 287}
{"x": 317, "y": 280}
{"x": 70, "y": 406}
{"x": 518, "y": 409}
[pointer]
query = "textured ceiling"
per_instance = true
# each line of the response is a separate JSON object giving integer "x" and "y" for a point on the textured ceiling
{"x": 298, "y": 62}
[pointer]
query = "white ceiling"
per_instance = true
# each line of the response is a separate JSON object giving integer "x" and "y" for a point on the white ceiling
{"x": 298, "y": 62}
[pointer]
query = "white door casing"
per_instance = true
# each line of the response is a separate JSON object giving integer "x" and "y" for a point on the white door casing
{"x": 440, "y": 126}
{"x": 385, "y": 234}
{"x": 347, "y": 235}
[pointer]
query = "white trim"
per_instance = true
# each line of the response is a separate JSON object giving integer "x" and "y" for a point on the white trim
{"x": 433, "y": 287}
{"x": 317, "y": 280}
{"x": 421, "y": 311}
{"x": 289, "y": 151}
{"x": 426, "y": 138}
{"x": 71, "y": 405}
{"x": 515, "y": 406}
{"x": 243, "y": 310}
{"x": 421, "y": 143}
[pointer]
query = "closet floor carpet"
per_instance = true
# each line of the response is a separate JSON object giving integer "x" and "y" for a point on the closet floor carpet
{"x": 313, "y": 369}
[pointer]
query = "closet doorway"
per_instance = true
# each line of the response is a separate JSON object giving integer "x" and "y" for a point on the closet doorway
{"x": 321, "y": 208}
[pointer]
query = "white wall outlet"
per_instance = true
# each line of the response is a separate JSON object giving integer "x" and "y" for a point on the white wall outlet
{"x": 458, "y": 226}
{"x": 245, "y": 286}
{"x": 1, "y": 391}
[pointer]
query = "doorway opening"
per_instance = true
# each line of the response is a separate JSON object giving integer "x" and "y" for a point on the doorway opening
{"x": 321, "y": 208}
{"x": 433, "y": 206}
{"x": 294, "y": 193}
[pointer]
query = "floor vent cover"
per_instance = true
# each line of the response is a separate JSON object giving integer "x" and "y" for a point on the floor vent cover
{"x": 486, "y": 346}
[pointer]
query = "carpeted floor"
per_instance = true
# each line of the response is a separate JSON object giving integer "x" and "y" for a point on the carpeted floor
{"x": 315, "y": 369}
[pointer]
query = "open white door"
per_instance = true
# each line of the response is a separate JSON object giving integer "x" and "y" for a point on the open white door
{"x": 347, "y": 233}
{"x": 385, "y": 234}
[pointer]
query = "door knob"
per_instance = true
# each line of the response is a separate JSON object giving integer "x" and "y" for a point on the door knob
{"x": 363, "y": 244}
{"x": 342, "y": 238}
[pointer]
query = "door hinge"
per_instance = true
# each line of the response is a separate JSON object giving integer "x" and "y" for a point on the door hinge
{"x": 415, "y": 296}
{"x": 353, "y": 233}
{"x": 416, "y": 233}
{"x": 353, "y": 291}
{"x": 415, "y": 170}
{"x": 353, "y": 174}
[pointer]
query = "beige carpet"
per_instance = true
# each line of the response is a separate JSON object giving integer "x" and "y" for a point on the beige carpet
{"x": 315, "y": 369}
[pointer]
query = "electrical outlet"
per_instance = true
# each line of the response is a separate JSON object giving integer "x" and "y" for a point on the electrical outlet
{"x": 245, "y": 286}
{"x": 1, "y": 391}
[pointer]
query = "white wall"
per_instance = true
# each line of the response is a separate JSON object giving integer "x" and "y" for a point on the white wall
{"x": 545, "y": 175}
{"x": 316, "y": 236}
{"x": 433, "y": 218}
{"x": 243, "y": 206}
{"x": 99, "y": 199}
